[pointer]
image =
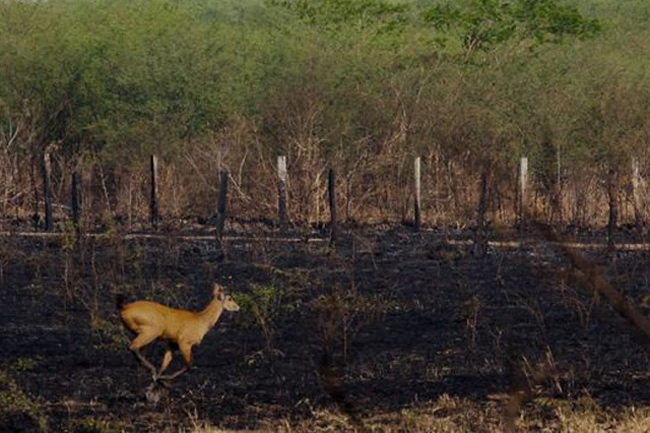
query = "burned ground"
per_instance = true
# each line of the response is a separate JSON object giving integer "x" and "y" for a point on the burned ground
{"x": 390, "y": 331}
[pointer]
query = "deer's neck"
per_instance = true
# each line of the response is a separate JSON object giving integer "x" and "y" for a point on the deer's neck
{"x": 211, "y": 313}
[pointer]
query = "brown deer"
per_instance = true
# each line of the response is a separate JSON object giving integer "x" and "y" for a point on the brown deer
{"x": 182, "y": 329}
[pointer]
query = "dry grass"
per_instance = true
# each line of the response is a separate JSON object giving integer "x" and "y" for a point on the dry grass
{"x": 451, "y": 414}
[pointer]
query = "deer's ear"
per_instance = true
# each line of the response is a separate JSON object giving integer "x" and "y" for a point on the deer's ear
{"x": 217, "y": 289}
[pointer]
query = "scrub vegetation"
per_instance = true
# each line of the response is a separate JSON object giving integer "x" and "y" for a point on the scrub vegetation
{"x": 380, "y": 328}
{"x": 362, "y": 85}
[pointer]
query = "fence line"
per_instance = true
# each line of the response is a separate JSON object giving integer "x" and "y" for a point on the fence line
{"x": 364, "y": 191}
{"x": 500, "y": 244}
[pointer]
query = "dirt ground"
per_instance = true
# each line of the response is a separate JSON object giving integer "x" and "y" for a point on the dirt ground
{"x": 389, "y": 331}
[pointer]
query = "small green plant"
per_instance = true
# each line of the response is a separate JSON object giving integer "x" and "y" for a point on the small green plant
{"x": 18, "y": 410}
{"x": 23, "y": 364}
{"x": 263, "y": 303}
{"x": 97, "y": 425}
{"x": 69, "y": 238}
{"x": 108, "y": 334}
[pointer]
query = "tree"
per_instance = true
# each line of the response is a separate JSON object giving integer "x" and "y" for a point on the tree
{"x": 335, "y": 14}
{"x": 492, "y": 34}
{"x": 484, "y": 25}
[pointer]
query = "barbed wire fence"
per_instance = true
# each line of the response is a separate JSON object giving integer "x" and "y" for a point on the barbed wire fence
{"x": 421, "y": 192}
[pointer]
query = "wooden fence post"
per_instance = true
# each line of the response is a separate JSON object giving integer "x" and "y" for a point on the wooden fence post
{"x": 331, "y": 187}
{"x": 282, "y": 193}
{"x": 317, "y": 198}
{"x": 416, "y": 173}
{"x": 35, "y": 162}
{"x": 221, "y": 205}
{"x": 47, "y": 189}
{"x": 522, "y": 204}
{"x": 637, "y": 193}
{"x": 154, "y": 191}
{"x": 612, "y": 193}
{"x": 76, "y": 201}
{"x": 348, "y": 197}
{"x": 480, "y": 241}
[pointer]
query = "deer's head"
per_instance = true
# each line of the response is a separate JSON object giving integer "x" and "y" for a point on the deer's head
{"x": 227, "y": 301}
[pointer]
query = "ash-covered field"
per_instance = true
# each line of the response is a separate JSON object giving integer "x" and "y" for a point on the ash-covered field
{"x": 389, "y": 331}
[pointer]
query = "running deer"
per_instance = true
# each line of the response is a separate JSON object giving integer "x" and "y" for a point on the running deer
{"x": 181, "y": 329}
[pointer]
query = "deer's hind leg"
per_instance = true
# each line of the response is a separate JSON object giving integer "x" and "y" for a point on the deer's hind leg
{"x": 145, "y": 337}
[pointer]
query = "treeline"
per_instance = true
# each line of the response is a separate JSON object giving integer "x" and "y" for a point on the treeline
{"x": 361, "y": 85}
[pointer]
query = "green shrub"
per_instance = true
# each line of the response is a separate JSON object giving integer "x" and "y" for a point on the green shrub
{"x": 18, "y": 411}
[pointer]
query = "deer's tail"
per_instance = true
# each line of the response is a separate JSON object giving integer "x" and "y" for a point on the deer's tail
{"x": 120, "y": 300}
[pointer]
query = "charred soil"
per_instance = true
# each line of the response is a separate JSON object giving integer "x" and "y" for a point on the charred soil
{"x": 388, "y": 331}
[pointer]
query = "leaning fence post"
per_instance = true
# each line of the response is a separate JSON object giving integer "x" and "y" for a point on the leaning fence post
{"x": 282, "y": 193}
{"x": 76, "y": 201}
{"x": 417, "y": 172}
{"x": 221, "y": 205}
{"x": 154, "y": 191}
{"x": 47, "y": 189}
{"x": 331, "y": 187}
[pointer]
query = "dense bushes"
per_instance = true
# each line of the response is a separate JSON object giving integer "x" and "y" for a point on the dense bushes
{"x": 363, "y": 85}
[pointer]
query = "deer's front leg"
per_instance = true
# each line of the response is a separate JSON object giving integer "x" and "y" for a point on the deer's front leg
{"x": 186, "y": 351}
{"x": 169, "y": 355}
